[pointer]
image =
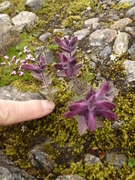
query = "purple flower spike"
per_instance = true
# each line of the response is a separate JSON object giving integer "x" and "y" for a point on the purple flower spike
{"x": 67, "y": 45}
{"x": 67, "y": 64}
{"x": 95, "y": 104}
{"x": 39, "y": 69}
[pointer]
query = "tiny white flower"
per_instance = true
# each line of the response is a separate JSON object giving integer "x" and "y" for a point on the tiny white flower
{"x": 13, "y": 73}
{"x": 13, "y": 59}
{"x": 23, "y": 61}
{"x": 3, "y": 63}
{"x": 20, "y": 53}
{"x": 23, "y": 128}
{"x": 21, "y": 73}
{"x": 17, "y": 61}
{"x": 6, "y": 57}
{"x": 29, "y": 56}
{"x": 20, "y": 68}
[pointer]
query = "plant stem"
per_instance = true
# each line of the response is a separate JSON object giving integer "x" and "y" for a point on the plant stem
{"x": 6, "y": 61}
{"x": 46, "y": 85}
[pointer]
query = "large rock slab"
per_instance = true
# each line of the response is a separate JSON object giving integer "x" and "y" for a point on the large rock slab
{"x": 8, "y": 171}
{"x": 24, "y": 19}
{"x": 9, "y": 36}
{"x": 102, "y": 37}
{"x": 34, "y": 4}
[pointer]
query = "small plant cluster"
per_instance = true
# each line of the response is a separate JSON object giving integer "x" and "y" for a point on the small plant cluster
{"x": 16, "y": 62}
{"x": 96, "y": 102}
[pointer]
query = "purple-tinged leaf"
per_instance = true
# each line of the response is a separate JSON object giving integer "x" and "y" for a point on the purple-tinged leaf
{"x": 32, "y": 67}
{"x": 69, "y": 72}
{"x": 91, "y": 121}
{"x": 104, "y": 88}
{"x": 82, "y": 126}
{"x": 108, "y": 114}
{"x": 58, "y": 66}
{"x": 105, "y": 105}
{"x": 90, "y": 93}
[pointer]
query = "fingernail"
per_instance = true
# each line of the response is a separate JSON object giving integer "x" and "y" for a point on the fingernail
{"x": 47, "y": 104}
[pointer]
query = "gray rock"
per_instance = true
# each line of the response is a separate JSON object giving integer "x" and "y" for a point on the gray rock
{"x": 46, "y": 53}
{"x": 95, "y": 25}
{"x": 45, "y": 36}
{"x": 23, "y": 19}
{"x": 116, "y": 159}
{"x": 121, "y": 24}
{"x": 102, "y": 37}
{"x": 116, "y": 124}
{"x": 9, "y": 36}
{"x": 63, "y": 31}
{"x": 106, "y": 52}
{"x": 121, "y": 43}
{"x": 70, "y": 177}
{"x": 90, "y": 22}
{"x": 4, "y": 17}
{"x": 12, "y": 93}
{"x": 129, "y": 70}
{"x": 9, "y": 172}
{"x": 34, "y": 4}
{"x": 131, "y": 51}
{"x": 41, "y": 160}
{"x": 131, "y": 2}
{"x": 91, "y": 159}
{"x": 131, "y": 12}
{"x": 82, "y": 33}
{"x": 4, "y": 5}
{"x": 130, "y": 30}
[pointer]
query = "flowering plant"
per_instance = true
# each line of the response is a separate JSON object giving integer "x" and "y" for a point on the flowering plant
{"x": 96, "y": 102}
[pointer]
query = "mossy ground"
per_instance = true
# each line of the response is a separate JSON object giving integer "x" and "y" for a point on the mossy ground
{"x": 16, "y": 143}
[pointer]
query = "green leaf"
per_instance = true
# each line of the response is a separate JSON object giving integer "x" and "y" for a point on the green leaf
{"x": 35, "y": 34}
{"x": 130, "y": 164}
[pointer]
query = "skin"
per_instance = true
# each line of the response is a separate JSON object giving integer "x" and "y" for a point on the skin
{"x": 12, "y": 112}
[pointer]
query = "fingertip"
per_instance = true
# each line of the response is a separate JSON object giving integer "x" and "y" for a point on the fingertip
{"x": 47, "y": 105}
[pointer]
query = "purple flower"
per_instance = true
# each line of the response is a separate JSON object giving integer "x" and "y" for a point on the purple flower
{"x": 67, "y": 64}
{"x": 67, "y": 45}
{"x": 96, "y": 103}
{"x": 39, "y": 69}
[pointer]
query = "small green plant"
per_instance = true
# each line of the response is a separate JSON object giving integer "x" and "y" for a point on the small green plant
{"x": 95, "y": 5}
{"x": 131, "y": 162}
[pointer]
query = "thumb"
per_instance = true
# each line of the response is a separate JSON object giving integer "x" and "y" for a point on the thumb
{"x": 18, "y": 111}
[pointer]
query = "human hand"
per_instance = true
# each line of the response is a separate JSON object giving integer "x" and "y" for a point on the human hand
{"x": 12, "y": 112}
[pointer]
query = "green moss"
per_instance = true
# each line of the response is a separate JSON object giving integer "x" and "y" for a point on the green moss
{"x": 27, "y": 84}
{"x": 75, "y": 7}
{"x": 68, "y": 22}
{"x": 124, "y": 5}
